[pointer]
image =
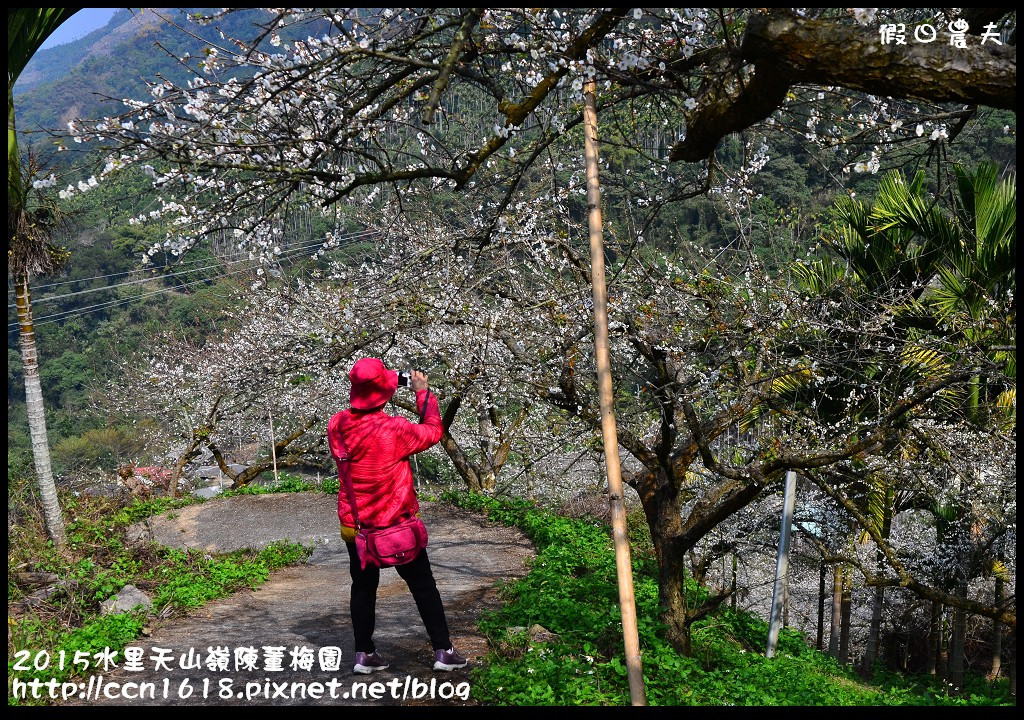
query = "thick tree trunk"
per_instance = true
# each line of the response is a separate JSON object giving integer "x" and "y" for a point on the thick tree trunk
{"x": 934, "y": 626}
{"x": 874, "y": 631}
{"x": 786, "y": 50}
{"x": 785, "y": 604}
{"x": 1011, "y": 672}
{"x": 482, "y": 476}
{"x": 844, "y": 633}
{"x": 820, "y": 637}
{"x": 943, "y": 659}
{"x": 672, "y": 601}
{"x": 485, "y": 424}
{"x": 466, "y": 470}
{"x": 732, "y": 585}
{"x": 172, "y": 489}
{"x": 956, "y": 654}
{"x": 837, "y": 611}
{"x": 997, "y": 635}
{"x": 872, "y": 650}
{"x": 36, "y": 414}
{"x": 663, "y": 521}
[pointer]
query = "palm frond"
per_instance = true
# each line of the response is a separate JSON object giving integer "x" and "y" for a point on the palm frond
{"x": 27, "y": 29}
{"x": 877, "y": 500}
{"x": 926, "y": 361}
{"x": 819, "y": 276}
{"x": 1000, "y": 570}
{"x": 791, "y": 382}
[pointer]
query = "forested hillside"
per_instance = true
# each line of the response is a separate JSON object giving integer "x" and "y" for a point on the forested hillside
{"x": 809, "y": 271}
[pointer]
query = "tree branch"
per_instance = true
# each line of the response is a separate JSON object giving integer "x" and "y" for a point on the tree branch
{"x": 472, "y": 17}
{"x": 786, "y": 50}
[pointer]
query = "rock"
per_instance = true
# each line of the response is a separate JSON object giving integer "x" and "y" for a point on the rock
{"x": 138, "y": 486}
{"x": 36, "y": 578}
{"x": 210, "y": 491}
{"x": 40, "y": 596}
{"x": 540, "y": 634}
{"x": 140, "y": 532}
{"x": 129, "y": 598}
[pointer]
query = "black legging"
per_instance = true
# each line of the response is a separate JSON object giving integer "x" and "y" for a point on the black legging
{"x": 420, "y": 579}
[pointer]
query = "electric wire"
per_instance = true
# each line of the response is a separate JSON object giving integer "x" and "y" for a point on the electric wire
{"x": 77, "y": 312}
{"x": 124, "y": 272}
{"x": 290, "y": 254}
{"x": 129, "y": 272}
{"x": 48, "y": 298}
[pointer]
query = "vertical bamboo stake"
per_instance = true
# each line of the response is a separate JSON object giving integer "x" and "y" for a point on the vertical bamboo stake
{"x": 627, "y": 603}
{"x": 273, "y": 445}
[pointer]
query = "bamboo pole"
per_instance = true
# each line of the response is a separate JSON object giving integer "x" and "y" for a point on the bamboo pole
{"x": 627, "y": 603}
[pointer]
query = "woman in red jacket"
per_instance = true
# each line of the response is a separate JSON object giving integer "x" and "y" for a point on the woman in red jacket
{"x": 378, "y": 447}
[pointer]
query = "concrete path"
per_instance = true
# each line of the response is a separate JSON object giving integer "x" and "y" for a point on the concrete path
{"x": 305, "y": 608}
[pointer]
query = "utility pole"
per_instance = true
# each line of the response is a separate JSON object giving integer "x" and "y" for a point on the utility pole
{"x": 782, "y": 564}
{"x": 624, "y": 569}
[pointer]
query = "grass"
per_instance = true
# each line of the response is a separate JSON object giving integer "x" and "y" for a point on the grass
{"x": 571, "y": 590}
{"x": 98, "y": 561}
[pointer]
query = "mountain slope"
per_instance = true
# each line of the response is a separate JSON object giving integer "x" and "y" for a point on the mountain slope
{"x": 88, "y": 78}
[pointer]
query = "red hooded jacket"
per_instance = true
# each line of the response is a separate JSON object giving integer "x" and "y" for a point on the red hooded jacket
{"x": 378, "y": 446}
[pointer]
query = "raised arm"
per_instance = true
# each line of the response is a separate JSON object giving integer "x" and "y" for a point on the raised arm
{"x": 414, "y": 438}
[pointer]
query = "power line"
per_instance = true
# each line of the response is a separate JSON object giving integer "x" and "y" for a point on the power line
{"x": 127, "y": 272}
{"x": 76, "y": 312}
{"x": 57, "y": 317}
{"x": 49, "y": 298}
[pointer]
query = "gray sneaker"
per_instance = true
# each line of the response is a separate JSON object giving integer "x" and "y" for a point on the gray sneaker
{"x": 448, "y": 660}
{"x": 367, "y": 663}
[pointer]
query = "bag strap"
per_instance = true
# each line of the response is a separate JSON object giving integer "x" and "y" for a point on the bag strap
{"x": 423, "y": 412}
{"x": 346, "y": 481}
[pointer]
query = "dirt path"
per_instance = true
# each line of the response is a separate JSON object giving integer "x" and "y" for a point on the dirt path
{"x": 306, "y": 606}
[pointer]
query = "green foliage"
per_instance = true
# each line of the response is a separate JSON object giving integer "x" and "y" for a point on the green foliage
{"x": 104, "y": 447}
{"x": 180, "y": 579}
{"x": 190, "y": 579}
{"x": 287, "y": 482}
{"x": 141, "y": 509}
{"x": 571, "y": 590}
{"x": 108, "y": 631}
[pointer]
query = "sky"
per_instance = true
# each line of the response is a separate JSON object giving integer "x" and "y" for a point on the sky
{"x": 81, "y": 23}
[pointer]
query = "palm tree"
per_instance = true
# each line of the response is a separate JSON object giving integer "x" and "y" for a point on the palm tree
{"x": 978, "y": 268}
{"x": 947, "y": 266}
{"x": 29, "y": 250}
